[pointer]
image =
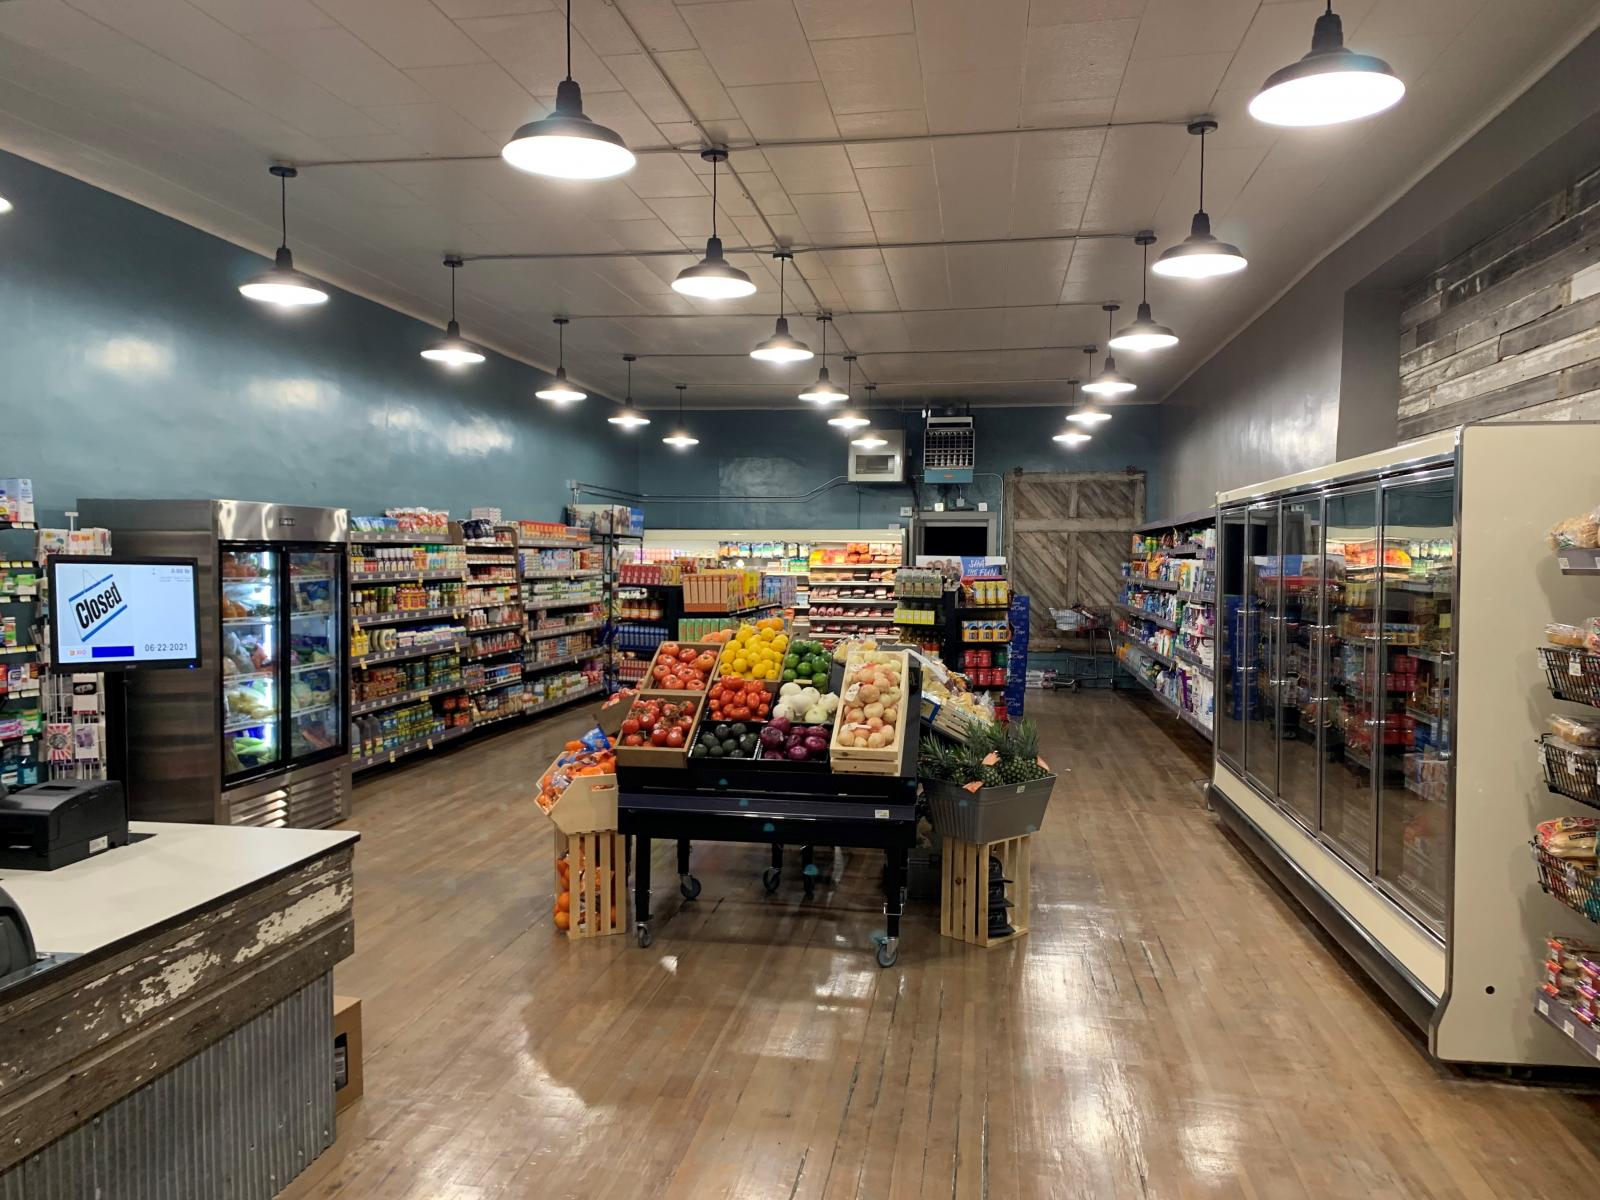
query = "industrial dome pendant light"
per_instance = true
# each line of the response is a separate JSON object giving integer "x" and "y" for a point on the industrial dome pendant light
{"x": 1330, "y": 85}
{"x": 1109, "y": 382}
{"x": 1086, "y": 415}
{"x": 559, "y": 391}
{"x": 1077, "y": 437}
{"x": 567, "y": 144}
{"x": 869, "y": 438}
{"x": 1143, "y": 333}
{"x": 629, "y": 417}
{"x": 680, "y": 438}
{"x": 849, "y": 419}
{"x": 452, "y": 349}
{"x": 781, "y": 347}
{"x": 824, "y": 390}
{"x": 713, "y": 277}
{"x": 283, "y": 285}
{"x": 5, "y": 205}
{"x": 1200, "y": 255}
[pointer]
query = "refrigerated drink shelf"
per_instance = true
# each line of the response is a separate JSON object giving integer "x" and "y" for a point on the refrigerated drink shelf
{"x": 268, "y": 619}
{"x": 297, "y": 669}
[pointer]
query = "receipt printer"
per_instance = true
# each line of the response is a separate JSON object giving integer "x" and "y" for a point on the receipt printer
{"x": 50, "y": 825}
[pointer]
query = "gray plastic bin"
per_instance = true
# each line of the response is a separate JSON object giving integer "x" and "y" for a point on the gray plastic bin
{"x": 989, "y": 814}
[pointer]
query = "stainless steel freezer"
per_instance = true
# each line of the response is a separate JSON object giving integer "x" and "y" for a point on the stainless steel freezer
{"x": 259, "y": 735}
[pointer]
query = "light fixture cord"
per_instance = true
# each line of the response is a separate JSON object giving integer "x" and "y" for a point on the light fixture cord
{"x": 1202, "y": 170}
{"x": 569, "y": 39}
{"x": 680, "y": 406}
{"x": 781, "y": 262}
{"x": 561, "y": 343}
{"x": 283, "y": 208}
{"x": 452, "y": 293}
{"x": 630, "y": 381}
{"x": 1144, "y": 273}
{"x": 713, "y": 197}
{"x": 823, "y": 321}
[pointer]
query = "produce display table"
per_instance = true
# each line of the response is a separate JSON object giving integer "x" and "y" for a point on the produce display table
{"x": 733, "y": 800}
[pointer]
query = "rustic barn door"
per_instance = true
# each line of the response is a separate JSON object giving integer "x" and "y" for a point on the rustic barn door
{"x": 1067, "y": 535}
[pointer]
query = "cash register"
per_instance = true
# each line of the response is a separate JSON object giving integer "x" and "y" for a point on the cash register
{"x": 50, "y": 825}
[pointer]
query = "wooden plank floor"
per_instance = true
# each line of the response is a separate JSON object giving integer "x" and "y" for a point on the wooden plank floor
{"x": 1173, "y": 1027}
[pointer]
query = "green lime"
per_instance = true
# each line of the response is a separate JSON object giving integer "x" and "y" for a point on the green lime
{"x": 788, "y": 674}
{"x": 791, "y": 660}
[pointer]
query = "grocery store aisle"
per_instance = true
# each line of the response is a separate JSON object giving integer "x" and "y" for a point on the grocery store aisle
{"x": 1172, "y": 1027}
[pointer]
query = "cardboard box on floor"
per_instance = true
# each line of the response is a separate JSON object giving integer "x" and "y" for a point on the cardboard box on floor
{"x": 346, "y": 1052}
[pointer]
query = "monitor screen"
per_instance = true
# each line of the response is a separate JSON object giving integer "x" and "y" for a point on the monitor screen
{"x": 118, "y": 614}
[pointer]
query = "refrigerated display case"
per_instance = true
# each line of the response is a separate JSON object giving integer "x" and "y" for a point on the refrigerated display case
{"x": 259, "y": 734}
{"x": 1378, "y": 690}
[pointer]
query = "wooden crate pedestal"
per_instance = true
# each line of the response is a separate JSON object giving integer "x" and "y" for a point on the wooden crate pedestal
{"x": 597, "y": 878}
{"x": 983, "y": 892}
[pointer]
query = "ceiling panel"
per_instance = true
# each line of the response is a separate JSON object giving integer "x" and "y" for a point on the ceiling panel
{"x": 183, "y": 103}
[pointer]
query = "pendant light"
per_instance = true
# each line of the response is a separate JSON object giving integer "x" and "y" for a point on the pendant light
{"x": 567, "y": 144}
{"x": 713, "y": 277}
{"x": 824, "y": 390}
{"x": 1110, "y": 382}
{"x": 1072, "y": 437}
{"x": 283, "y": 285}
{"x": 1143, "y": 333}
{"x": 781, "y": 347}
{"x": 5, "y": 205}
{"x": 558, "y": 390}
{"x": 680, "y": 438}
{"x": 1200, "y": 255}
{"x": 849, "y": 419}
{"x": 452, "y": 349}
{"x": 1085, "y": 414}
{"x": 628, "y": 416}
{"x": 869, "y": 438}
{"x": 1330, "y": 85}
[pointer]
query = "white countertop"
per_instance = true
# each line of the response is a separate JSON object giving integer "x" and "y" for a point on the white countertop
{"x": 122, "y": 892}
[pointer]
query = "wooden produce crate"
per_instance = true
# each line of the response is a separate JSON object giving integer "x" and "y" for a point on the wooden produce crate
{"x": 596, "y": 882}
{"x": 871, "y": 760}
{"x": 964, "y": 889}
{"x": 588, "y": 803}
{"x": 674, "y": 758}
{"x": 648, "y": 684}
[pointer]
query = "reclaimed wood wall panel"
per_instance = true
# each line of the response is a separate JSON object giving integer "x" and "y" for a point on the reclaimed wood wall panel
{"x": 1068, "y": 534}
{"x": 1509, "y": 329}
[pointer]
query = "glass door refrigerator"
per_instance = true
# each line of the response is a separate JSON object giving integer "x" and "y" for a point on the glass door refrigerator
{"x": 1382, "y": 696}
{"x": 259, "y": 735}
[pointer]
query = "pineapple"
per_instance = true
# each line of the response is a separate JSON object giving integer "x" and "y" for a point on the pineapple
{"x": 1019, "y": 753}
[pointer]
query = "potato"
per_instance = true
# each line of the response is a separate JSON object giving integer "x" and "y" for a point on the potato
{"x": 889, "y": 731}
{"x": 874, "y": 723}
{"x": 868, "y": 694}
{"x": 872, "y": 710}
{"x": 876, "y": 741}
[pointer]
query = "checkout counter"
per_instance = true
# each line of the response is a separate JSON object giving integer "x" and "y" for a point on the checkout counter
{"x": 178, "y": 1042}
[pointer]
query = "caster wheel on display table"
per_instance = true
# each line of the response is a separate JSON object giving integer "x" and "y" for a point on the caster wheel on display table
{"x": 644, "y": 936}
{"x": 689, "y": 887}
{"x": 770, "y": 878}
{"x": 888, "y": 952}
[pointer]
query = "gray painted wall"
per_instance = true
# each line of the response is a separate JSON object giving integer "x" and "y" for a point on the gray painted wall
{"x": 135, "y": 368}
{"x": 1313, "y": 379}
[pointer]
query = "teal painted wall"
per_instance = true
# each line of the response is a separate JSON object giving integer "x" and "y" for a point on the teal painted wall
{"x": 135, "y": 368}
{"x": 788, "y": 453}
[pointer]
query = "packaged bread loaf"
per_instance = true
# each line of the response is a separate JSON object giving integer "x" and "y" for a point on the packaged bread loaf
{"x": 1575, "y": 731}
{"x": 1581, "y": 531}
{"x": 1564, "y": 635}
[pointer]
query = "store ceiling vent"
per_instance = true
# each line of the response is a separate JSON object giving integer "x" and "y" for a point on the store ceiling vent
{"x": 880, "y": 464}
{"x": 949, "y": 450}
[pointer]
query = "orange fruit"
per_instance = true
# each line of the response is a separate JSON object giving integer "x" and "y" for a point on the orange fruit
{"x": 563, "y": 920}
{"x": 564, "y": 902}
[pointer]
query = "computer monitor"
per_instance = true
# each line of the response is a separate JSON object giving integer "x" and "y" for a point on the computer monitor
{"x": 121, "y": 614}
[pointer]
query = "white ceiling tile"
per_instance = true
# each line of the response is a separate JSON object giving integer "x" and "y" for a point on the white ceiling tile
{"x": 437, "y": 128}
{"x": 898, "y": 189}
{"x": 925, "y": 225}
{"x": 532, "y": 47}
{"x": 766, "y": 192}
{"x": 878, "y": 74}
{"x": 833, "y": 213}
{"x": 1060, "y": 12}
{"x": 688, "y": 217}
{"x": 658, "y": 23}
{"x": 603, "y": 29}
{"x": 409, "y": 33}
{"x": 891, "y": 154}
{"x": 849, "y": 260}
{"x": 1173, "y": 27}
{"x": 1401, "y": 18}
{"x": 1135, "y": 171}
{"x": 483, "y": 93}
{"x": 644, "y": 83}
{"x": 825, "y": 19}
{"x": 958, "y": 35}
{"x": 785, "y": 110}
{"x": 375, "y": 145}
{"x": 884, "y": 125}
{"x": 702, "y": 91}
{"x": 752, "y": 42}
{"x": 1096, "y": 110}
{"x": 617, "y": 111}
{"x": 658, "y": 175}
{"x": 51, "y": 25}
{"x": 1078, "y": 61}
{"x": 1153, "y": 89}
{"x": 491, "y": 8}
{"x": 805, "y": 170}
{"x": 648, "y": 235}
{"x": 966, "y": 100}
{"x": 342, "y": 63}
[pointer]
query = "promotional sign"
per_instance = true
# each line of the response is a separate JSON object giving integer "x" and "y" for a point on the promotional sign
{"x": 110, "y": 613}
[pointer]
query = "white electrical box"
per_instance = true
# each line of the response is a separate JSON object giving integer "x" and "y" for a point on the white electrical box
{"x": 879, "y": 464}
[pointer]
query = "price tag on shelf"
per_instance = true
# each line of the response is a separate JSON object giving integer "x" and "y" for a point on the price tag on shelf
{"x": 1575, "y": 664}
{"x": 1544, "y": 1008}
{"x": 1569, "y": 1029}
{"x": 430, "y": 743}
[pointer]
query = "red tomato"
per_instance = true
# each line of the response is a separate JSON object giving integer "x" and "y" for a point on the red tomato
{"x": 672, "y": 683}
{"x": 633, "y": 739}
{"x": 740, "y": 712}
{"x": 706, "y": 661}
{"x": 630, "y": 725}
{"x": 658, "y": 737}
{"x": 674, "y": 738}
{"x": 659, "y": 671}
{"x": 668, "y": 648}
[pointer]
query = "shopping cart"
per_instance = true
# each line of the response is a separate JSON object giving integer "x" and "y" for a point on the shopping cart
{"x": 1087, "y": 646}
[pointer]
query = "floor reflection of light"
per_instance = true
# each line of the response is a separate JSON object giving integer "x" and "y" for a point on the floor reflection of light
{"x": 1210, "y": 1146}
{"x": 669, "y": 963}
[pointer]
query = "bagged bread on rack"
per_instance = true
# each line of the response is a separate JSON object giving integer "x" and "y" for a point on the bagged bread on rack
{"x": 1582, "y": 532}
{"x": 1575, "y": 731}
{"x": 1591, "y": 634}
{"x": 1571, "y": 838}
{"x": 1570, "y": 636}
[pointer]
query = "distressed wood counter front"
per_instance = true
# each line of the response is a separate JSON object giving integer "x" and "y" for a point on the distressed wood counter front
{"x": 193, "y": 934}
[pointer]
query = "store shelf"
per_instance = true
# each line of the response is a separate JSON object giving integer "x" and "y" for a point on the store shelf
{"x": 1558, "y": 1014}
{"x": 306, "y": 614}
{"x": 479, "y": 560}
{"x": 380, "y": 537}
{"x": 395, "y": 699}
{"x": 537, "y": 635}
{"x": 852, "y": 600}
{"x": 835, "y": 620}
{"x": 302, "y": 668}
{"x": 1141, "y": 615}
{"x": 586, "y": 574}
{"x": 553, "y": 545}
{"x": 501, "y": 626}
{"x": 1196, "y": 597}
{"x": 231, "y": 621}
{"x": 1576, "y": 561}
{"x": 310, "y": 578}
{"x": 508, "y": 681}
{"x": 315, "y": 708}
{"x": 413, "y": 614}
{"x": 1194, "y": 723}
{"x": 475, "y": 655}
{"x": 18, "y": 525}
{"x": 238, "y": 726}
{"x": 420, "y": 744}
{"x": 1194, "y": 660}
{"x": 1162, "y": 585}
{"x": 389, "y": 656}
{"x": 28, "y": 648}
{"x": 531, "y": 605}
{"x": 564, "y": 698}
{"x": 530, "y": 664}
{"x": 493, "y": 603}
{"x": 358, "y": 578}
